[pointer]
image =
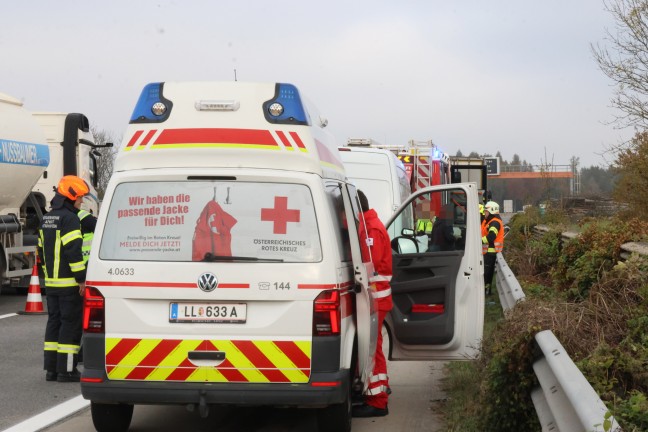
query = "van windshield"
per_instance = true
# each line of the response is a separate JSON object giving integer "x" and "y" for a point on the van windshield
{"x": 211, "y": 221}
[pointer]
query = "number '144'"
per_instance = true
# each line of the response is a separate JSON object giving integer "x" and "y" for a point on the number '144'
{"x": 282, "y": 285}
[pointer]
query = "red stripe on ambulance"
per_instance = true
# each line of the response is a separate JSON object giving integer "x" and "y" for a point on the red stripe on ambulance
{"x": 298, "y": 140}
{"x": 260, "y": 361}
{"x": 134, "y": 138}
{"x": 216, "y": 136}
{"x": 295, "y": 354}
{"x": 162, "y": 284}
{"x": 284, "y": 140}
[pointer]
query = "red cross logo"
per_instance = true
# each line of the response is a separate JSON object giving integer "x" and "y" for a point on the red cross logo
{"x": 280, "y": 215}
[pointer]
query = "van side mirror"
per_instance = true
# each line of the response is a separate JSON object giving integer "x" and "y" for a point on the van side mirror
{"x": 405, "y": 245}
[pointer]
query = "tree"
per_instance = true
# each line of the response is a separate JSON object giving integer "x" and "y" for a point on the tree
{"x": 597, "y": 182}
{"x": 632, "y": 182}
{"x": 106, "y": 159}
{"x": 625, "y": 61}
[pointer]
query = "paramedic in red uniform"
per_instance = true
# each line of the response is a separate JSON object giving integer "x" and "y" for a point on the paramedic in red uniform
{"x": 375, "y": 240}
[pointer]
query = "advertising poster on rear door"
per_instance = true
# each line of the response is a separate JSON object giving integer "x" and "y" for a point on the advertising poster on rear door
{"x": 204, "y": 221}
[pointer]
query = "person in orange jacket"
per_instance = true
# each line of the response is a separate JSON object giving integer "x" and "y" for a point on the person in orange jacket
{"x": 494, "y": 241}
{"x": 375, "y": 246}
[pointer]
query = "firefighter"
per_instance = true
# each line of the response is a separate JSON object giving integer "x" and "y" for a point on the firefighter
{"x": 60, "y": 244}
{"x": 88, "y": 224}
{"x": 494, "y": 240}
{"x": 375, "y": 245}
{"x": 484, "y": 228}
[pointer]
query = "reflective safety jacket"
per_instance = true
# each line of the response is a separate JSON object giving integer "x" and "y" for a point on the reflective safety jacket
{"x": 59, "y": 247}
{"x": 88, "y": 224}
{"x": 484, "y": 232}
{"x": 424, "y": 226}
{"x": 494, "y": 237}
{"x": 376, "y": 240}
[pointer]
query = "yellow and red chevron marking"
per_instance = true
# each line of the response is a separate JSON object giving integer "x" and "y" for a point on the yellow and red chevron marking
{"x": 259, "y": 139}
{"x": 258, "y": 361}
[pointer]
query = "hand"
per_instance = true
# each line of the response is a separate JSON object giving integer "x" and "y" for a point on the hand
{"x": 81, "y": 288}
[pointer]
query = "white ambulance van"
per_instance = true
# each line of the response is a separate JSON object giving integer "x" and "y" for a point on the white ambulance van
{"x": 381, "y": 176}
{"x": 226, "y": 265}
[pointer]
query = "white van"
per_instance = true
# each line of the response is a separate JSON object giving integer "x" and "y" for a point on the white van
{"x": 226, "y": 265}
{"x": 381, "y": 176}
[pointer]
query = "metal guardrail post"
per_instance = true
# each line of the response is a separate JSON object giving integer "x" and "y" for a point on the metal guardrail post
{"x": 574, "y": 406}
{"x": 508, "y": 288}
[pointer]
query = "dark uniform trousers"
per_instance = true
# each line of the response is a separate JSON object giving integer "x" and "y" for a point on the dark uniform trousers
{"x": 490, "y": 259}
{"x": 63, "y": 331}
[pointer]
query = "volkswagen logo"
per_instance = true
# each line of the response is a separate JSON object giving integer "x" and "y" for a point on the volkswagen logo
{"x": 207, "y": 282}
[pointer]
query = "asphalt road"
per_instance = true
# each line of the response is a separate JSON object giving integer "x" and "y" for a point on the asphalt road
{"x": 25, "y": 395}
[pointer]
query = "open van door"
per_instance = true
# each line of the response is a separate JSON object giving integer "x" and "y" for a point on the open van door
{"x": 437, "y": 283}
{"x": 366, "y": 316}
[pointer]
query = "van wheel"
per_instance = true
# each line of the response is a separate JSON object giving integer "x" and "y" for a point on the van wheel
{"x": 111, "y": 418}
{"x": 336, "y": 418}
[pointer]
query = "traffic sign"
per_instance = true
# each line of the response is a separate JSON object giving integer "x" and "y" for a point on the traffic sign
{"x": 492, "y": 166}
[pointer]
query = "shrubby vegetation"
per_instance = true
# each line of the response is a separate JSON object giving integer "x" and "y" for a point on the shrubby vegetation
{"x": 594, "y": 303}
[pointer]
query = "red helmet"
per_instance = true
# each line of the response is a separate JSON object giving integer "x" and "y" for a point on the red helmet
{"x": 73, "y": 187}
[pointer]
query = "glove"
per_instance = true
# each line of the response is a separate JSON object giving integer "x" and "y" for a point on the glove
{"x": 456, "y": 232}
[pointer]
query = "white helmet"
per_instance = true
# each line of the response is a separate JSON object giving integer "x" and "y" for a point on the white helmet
{"x": 492, "y": 207}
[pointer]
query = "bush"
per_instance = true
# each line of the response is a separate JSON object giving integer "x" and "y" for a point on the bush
{"x": 596, "y": 306}
{"x": 584, "y": 259}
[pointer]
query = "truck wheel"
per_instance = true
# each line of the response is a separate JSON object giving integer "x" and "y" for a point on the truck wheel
{"x": 336, "y": 418}
{"x": 111, "y": 418}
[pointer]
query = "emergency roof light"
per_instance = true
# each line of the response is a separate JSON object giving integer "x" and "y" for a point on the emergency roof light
{"x": 286, "y": 106}
{"x": 217, "y": 105}
{"x": 152, "y": 106}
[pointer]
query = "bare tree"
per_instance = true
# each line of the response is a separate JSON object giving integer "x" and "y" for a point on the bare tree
{"x": 106, "y": 160}
{"x": 624, "y": 59}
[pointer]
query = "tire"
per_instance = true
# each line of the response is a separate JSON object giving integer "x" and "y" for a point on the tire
{"x": 336, "y": 418}
{"x": 111, "y": 418}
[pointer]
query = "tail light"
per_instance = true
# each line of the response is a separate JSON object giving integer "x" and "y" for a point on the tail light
{"x": 93, "y": 311}
{"x": 326, "y": 314}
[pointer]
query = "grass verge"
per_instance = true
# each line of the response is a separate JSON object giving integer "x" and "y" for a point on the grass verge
{"x": 462, "y": 380}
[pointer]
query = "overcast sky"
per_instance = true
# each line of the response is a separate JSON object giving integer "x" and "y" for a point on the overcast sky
{"x": 499, "y": 75}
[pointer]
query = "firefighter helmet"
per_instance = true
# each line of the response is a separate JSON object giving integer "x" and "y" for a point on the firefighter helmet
{"x": 72, "y": 187}
{"x": 492, "y": 207}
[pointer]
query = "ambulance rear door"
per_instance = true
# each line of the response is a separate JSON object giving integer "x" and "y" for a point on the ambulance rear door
{"x": 366, "y": 317}
{"x": 437, "y": 283}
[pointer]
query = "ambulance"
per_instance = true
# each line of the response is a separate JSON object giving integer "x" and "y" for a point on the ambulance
{"x": 226, "y": 266}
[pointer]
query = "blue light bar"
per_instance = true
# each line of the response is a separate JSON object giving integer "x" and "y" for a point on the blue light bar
{"x": 143, "y": 112}
{"x": 293, "y": 110}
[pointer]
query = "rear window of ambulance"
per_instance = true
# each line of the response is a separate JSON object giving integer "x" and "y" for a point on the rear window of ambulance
{"x": 185, "y": 221}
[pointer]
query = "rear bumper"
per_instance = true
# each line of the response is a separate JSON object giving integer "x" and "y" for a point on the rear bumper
{"x": 325, "y": 369}
{"x": 180, "y": 393}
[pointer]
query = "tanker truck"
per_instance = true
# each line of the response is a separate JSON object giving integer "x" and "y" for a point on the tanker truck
{"x": 67, "y": 144}
{"x": 24, "y": 157}
{"x": 72, "y": 151}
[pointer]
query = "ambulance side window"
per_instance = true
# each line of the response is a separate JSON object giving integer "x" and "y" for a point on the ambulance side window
{"x": 357, "y": 214}
{"x": 339, "y": 220}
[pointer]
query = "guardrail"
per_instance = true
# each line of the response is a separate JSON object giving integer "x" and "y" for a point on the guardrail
{"x": 508, "y": 288}
{"x": 564, "y": 401}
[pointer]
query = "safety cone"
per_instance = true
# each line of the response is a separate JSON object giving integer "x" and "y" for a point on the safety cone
{"x": 34, "y": 305}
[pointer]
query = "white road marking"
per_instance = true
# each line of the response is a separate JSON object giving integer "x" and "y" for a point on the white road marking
{"x": 51, "y": 416}
{"x": 8, "y": 315}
